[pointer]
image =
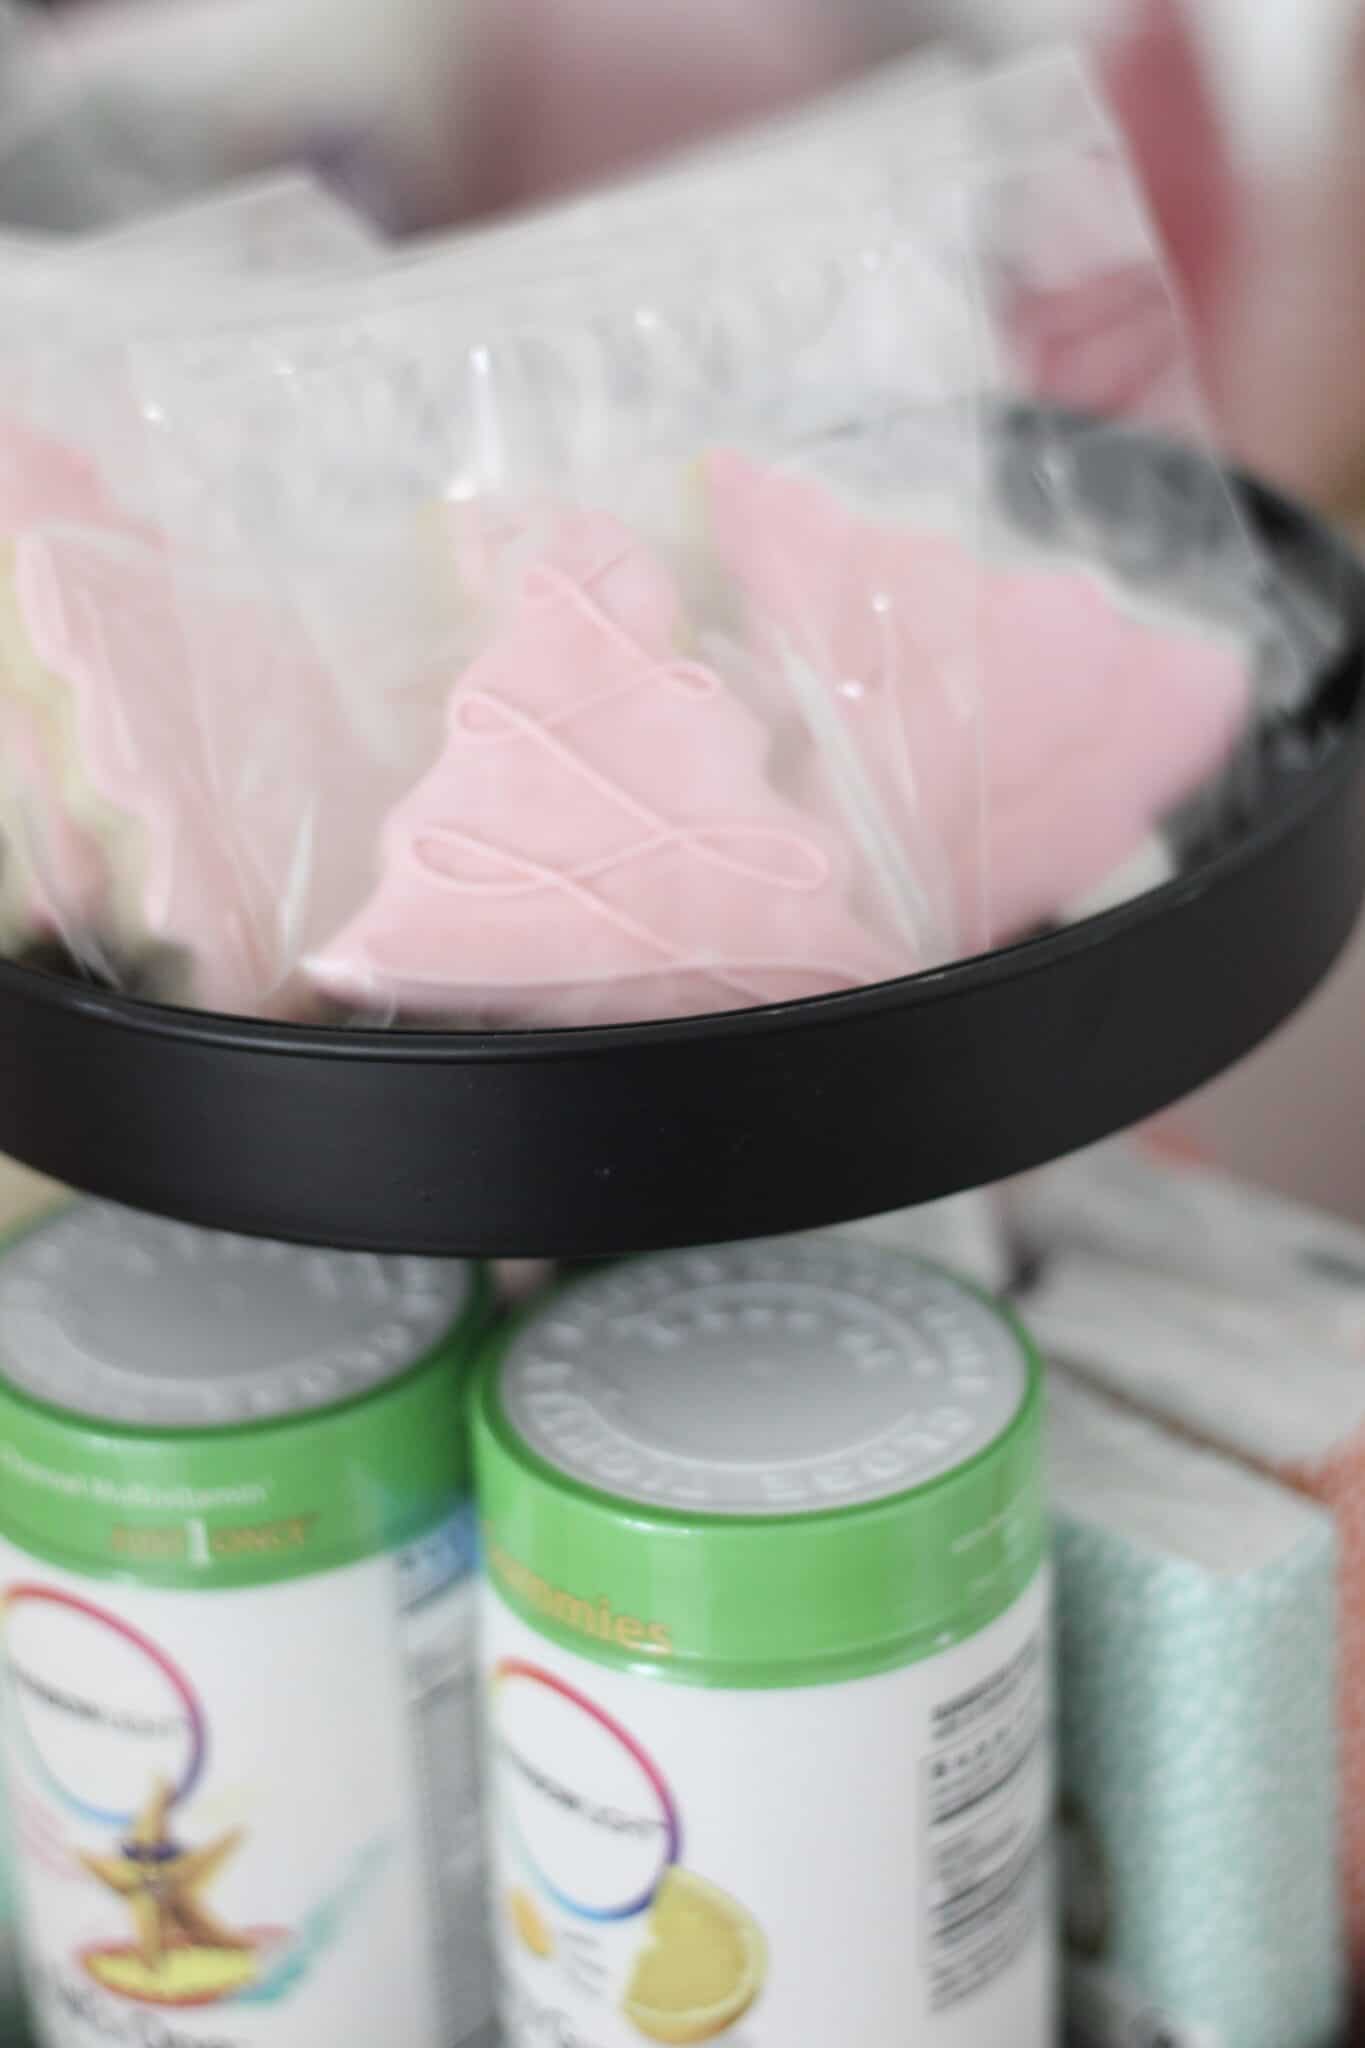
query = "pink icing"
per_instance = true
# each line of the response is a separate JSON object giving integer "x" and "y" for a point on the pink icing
{"x": 63, "y": 883}
{"x": 499, "y": 545}
{"x": 598, "y": 839}
{"x": 100, "y": 614}
{"x": 201, "y": 719}
{"x": 42, "y": 481}
{"x": 1093, "y": 723}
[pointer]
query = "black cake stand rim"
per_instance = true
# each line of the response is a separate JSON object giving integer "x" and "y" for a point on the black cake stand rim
{"x": 597, "y": 1140}
{"x": 949, "y": 981}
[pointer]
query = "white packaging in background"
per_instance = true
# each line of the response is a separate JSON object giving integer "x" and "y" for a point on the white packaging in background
{"x": 1266, "y": 1367}
{"x": 1216, "y": 1364}
{"x": 1123, "y": 1202}
{"x": 1196, "y": 1618}
{"x": 964, "y": 1233}
{"x": 1149, "y": 868}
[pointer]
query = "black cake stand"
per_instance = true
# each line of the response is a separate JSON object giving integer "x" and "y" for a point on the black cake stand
{"x": 592, "y": 1142}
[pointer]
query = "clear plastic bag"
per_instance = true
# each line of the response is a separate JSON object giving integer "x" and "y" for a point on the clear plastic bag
{"x": 1180, "y": 666}
{"x": 612, "y": 627}
{"x": 76, "y": 291}
{"x": 69, "y": 304}
{"x": 1088, "y": 348}
{"x": 568, "y": 778}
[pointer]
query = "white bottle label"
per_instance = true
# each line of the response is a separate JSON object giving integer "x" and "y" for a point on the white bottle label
{"x": 862, "y": 1863}
{"x": 247, "y": 1819}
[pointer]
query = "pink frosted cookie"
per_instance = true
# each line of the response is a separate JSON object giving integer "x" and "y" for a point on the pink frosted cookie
{"x": 598, "y": 839}
{"x": 43, "y": 482}
{"x": 54, "y": 881}
{"x": 1094, "y": 724}
{"x": 499, "y": 545}
{"x": 1099, "y": 724}
{"x": 199, "y": 746}
{"x": 53, "y": 875}
{"x": 92, "y": 648}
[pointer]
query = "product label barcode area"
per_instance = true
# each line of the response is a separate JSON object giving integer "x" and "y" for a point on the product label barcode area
{"x": 986, "y": 1810}
{"x": 437, "y": 1633}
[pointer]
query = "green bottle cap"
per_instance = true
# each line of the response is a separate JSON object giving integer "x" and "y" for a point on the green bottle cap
{"x": 186, "y": 1408}
{"x": 766, "y": 1465}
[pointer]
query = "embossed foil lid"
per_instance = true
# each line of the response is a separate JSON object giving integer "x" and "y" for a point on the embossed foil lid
{"x": 764, "y": 1380}
{"x": 204, "y": 1412}
{"x": 788, "y": 1461}
{"x": 124, "y": 1318}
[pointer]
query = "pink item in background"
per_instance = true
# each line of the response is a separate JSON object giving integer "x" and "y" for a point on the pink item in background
{"x": 569, "y": 91}
{"x": 1095, "y": 724}
{"x": 1290, "y": 382}
{"x": 1154, "y": 76}
{"x": 1167, "y": 1138}
{"x": 521, "y": 1280}
{"x": 1338, "y": 1482}
{"x": 1132, "y": 336}
{"x": 436, "y": 111}
{"x": 1267, "y": 263}
{"x": 598, "y": 840}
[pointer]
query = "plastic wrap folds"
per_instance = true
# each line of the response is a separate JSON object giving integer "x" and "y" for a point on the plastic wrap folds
{"x": 668, "y": 605}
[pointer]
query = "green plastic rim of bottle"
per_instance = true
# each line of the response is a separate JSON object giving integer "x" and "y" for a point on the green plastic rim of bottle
{"x": 252, "y": 1504}
{"x": 770, "y": 1601}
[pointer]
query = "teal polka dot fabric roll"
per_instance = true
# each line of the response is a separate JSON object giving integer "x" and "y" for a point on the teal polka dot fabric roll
{"x": 1199, "y": 1821}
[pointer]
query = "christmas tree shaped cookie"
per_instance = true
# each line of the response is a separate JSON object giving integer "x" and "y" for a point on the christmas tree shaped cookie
{"x": 599, "y": 839}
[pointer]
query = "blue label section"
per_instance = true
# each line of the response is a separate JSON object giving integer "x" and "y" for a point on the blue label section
{"x": 438, "y": 1560}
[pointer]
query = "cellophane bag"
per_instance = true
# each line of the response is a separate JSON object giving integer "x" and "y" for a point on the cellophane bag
{"x": 1177, "y": 665}
{"x": 68, "y": 303}
{"x": 444, "y": 687}
{"x": 606, "y": 627}
{"x": 1163, "y": 668}
{"x": 63, "y": 300}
